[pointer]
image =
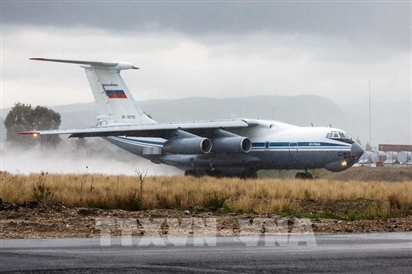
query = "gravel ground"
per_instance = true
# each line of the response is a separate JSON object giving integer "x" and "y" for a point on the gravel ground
{"x": 51, "y": 219}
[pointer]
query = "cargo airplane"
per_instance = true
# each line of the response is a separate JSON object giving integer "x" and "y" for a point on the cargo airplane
{"x": 234, "y": 147}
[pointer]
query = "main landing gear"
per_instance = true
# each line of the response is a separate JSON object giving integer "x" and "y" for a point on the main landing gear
{"x": 304, "y": 175}
{"x": 247, "y": 174}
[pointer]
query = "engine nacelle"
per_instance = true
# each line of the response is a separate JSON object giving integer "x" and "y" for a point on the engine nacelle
{"x": 188, "y": 146}
{"x": 231, "y": 145}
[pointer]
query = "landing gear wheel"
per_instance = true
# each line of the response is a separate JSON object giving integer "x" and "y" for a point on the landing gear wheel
{"x": 308, "y": 176}
{"x": 304, "y": 175}
{"x": 300, "y": 175}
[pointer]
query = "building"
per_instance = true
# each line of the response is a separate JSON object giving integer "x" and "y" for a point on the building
{"x": 397, "y": 148}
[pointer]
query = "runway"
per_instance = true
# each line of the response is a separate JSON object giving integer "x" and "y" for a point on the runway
{"x": 348, "y": 253}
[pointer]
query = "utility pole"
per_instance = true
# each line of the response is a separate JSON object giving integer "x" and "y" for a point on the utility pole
{"x": 370, "y": 116}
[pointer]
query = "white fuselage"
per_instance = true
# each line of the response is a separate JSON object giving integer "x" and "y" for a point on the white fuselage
{"x": 275, "y": 145}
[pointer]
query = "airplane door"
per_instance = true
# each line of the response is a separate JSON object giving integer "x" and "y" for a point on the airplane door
{"x": 294, "y": 151}
{"x": 267, "y": 145}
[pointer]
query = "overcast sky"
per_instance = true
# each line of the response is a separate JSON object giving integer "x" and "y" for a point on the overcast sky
{"x": 209, "y": 49}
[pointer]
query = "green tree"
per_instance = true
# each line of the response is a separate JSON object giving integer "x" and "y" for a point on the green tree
{"x": 46, "y": 118}
{"x": 23, "y": 117}
{"x": 19, "y": 119}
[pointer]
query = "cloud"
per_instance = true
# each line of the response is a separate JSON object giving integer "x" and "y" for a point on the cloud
{"x": 175, "y": 65}
{"x": 362, "y": 23}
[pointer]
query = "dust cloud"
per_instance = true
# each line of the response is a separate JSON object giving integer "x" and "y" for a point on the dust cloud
{"x": 94, "y": 156}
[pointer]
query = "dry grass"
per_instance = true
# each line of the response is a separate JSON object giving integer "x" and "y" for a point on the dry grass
{"x": 259, "y": 196}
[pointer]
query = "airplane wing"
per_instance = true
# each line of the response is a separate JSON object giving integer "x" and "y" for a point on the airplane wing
{"x": 162, "y": 130}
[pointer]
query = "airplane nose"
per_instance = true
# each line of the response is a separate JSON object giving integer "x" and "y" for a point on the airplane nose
{"x": 356, "y": 150}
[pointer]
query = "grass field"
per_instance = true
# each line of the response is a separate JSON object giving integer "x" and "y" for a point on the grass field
{"x": 322, "y": 197}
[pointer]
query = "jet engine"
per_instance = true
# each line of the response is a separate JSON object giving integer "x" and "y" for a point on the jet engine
{"x": 231, "y": 145}
{"x": 188, "y": 146}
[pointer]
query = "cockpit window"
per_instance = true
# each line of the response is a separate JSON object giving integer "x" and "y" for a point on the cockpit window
{"x": 339, "y": 136}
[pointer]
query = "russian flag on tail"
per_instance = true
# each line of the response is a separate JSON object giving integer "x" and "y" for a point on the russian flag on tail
{"x": 116, "y": 94}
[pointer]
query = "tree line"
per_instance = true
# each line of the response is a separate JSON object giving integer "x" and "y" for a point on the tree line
{"x": 24, "y": 117}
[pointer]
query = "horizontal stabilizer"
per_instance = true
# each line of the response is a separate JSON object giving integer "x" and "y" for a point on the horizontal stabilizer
{"x": 109, "y": 65}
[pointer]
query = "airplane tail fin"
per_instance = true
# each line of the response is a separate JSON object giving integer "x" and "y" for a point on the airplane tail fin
{"x": 114, "y": 100}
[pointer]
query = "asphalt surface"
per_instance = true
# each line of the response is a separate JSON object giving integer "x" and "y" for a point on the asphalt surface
{"x": 349, "y": 253}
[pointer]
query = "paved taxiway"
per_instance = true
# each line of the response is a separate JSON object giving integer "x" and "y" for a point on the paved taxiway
{"x": 365, "y": 253}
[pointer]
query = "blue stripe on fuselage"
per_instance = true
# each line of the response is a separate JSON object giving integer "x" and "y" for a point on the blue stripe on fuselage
{"x": 255, "y": 145}
{"x": 297, "y": 144}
